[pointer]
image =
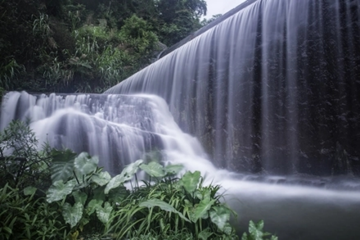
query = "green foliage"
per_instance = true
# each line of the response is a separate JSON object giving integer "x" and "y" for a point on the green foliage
{"x": 9, "y": 71}
{"x": 21, "y": 164}
{"x": 256, "y": 232}
{"x": 164, "y": 207}
{"x": 86, "y": 194}
{"x": 85, "y": 201}
{"x": 24, "y": 216}
{"x": 170, "y": 206}
{"x": 86, "y": 46}
{"x": 136, "y": 33}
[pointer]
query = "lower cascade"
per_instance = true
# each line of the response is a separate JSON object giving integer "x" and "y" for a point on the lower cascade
{"x": 266, "y": 103}
{"x": 120, "y": 129}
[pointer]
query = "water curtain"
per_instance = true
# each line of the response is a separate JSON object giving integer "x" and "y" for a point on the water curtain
{"x": 273, "y": 89}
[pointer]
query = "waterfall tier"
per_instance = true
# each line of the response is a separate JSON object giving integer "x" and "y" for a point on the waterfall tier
{"x": 118, "y": 128}
{"x": 273, "y": 89}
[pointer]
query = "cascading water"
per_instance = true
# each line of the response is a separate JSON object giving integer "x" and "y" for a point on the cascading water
{"x": 273, "y": 89}
{"x": 272, "y": 92}
{"x": 118, "y": 128}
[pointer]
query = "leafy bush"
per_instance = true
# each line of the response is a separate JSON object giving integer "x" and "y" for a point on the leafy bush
{"x": 172, "y": 206}
{"x": 21, "y": 164}
{"x": 83, "y": 200}
{"x": 164, "y": 207}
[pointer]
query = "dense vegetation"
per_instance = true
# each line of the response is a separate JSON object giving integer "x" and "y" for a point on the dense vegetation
{"x": 58, "y": 194}
{"x": 86, "y": 45}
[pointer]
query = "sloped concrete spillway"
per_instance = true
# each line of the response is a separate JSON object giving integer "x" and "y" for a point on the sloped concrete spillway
{"x": 275, "y": 88}
{"x": 273, "y": 95}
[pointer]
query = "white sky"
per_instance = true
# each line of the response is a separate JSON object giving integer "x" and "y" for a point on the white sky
{"x": 220, "y": 6}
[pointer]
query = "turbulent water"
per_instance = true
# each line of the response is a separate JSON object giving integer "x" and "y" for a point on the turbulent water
{"x": 271, "y": 94}
{"x": 273, "y": 89}
{"x": 118, "y": 128}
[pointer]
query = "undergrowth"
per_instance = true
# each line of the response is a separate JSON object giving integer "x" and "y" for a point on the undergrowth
{"x": 82, "y": 201}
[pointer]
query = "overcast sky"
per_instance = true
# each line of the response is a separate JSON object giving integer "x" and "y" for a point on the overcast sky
{"x": 220, "y": 6}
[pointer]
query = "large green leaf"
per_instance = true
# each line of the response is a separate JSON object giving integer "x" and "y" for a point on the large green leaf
{"x": 220, "y": 215}
{"x": 99, "y": 193}
{"x": 203, "y": 193}
{"x": 173, "y": 169}
{"x": 72, "y": 214}
{"x": 93, "y": 205}
{"x": 205, "y": 234}
{"x": 130, "y": 170}
{"x": 101, "y": 178}
{"x": 103, "y": 213}
{"x": 154, "y": 169}
{"x": 228, "y": 229}
{"x": 80, "y": 197}
{"x": 127, "y": 174}
{"x": 256, "y": 230}
{"x": 201, "y": 210}
{"x": 62, "y": 165}
{"x": 115, "y": 182}
{"x": 85, "y": 164}
{"x": 59, "y": 190}
{"x": 190, "y": 181}
{"x": 163, "y": 205}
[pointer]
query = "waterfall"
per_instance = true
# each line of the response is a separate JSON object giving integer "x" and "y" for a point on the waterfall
{"x": 274, "y": 89}
{"x": 118, "y": 128}
{"x": 272, "y": 94}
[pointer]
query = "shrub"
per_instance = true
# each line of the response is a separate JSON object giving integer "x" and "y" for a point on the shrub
{"x": 84, "y": 200}
{"x": 21, "y": 164}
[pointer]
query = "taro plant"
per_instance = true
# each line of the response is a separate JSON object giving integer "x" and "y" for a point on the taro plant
{"x": 161, "y": 206}
{"x": 256, "y": 232}
{"x": 171, "y": 206}
{"x": 78, "y": 188}
{"x": 87, "y": 194}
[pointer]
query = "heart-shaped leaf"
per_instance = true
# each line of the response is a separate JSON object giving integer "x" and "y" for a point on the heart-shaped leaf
{"x": 190, "y": 181}
{"x": 205, "y": 234}
{"x": 62, "y": 165}
{"x": 59, "y": 190}
{"x": 103, "y": 213}
{"x": 220, "y": 215}
{"x": 201, "y": 210}
{"x": 173, "y": 169}
{"x": 72, "y": 214}
{"x": 101, "y": 178}
{"x": 85, "y": 164}
{"x": 154, "y": 169}
{"x": 127, "y": 174}
{"x": 80, "y": 197}
{"x": 93, "y": 205}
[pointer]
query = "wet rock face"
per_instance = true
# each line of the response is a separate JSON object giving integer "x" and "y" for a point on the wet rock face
{"x": 275, "y": 88}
